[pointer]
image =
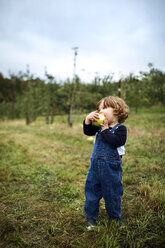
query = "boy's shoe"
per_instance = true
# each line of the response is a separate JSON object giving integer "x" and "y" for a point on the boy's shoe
{"x": 121, "y": 222}
{"x": 90, "y": 224}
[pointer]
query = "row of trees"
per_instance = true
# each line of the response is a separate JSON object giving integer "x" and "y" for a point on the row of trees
{"x": 23, "y": 96}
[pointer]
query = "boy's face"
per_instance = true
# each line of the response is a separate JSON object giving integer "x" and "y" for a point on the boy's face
{"x": 108, "y": 112}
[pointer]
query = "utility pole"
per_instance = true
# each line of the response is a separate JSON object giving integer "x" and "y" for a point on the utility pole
{"x": 70, "y": 122}
{"x": 74, "y": 64}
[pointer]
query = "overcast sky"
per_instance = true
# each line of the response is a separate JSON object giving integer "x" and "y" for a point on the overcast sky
{"x": 113, "y": 36}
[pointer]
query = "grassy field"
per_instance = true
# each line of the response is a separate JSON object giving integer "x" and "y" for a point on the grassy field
{"x": 42, "y": 174}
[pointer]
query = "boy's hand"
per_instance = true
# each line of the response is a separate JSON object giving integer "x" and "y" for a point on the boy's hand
{"x": 93, "y": 116}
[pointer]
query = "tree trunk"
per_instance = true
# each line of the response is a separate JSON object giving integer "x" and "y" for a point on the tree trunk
{"x": 136, "y": 109}
{"x": 27, "y": 118}
{"x": 12, "y": 110}
{"x": 52, "y": 119}
{"x": 47, "y": 119}
{"x": 27, "y": 114}
{"x": 70, "y": 115}
{"x": 52, "y": 115}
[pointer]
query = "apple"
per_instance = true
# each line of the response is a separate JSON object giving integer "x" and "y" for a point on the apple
{"x": 99, "y": 121}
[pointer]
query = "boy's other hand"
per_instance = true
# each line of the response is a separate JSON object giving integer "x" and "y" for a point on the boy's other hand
{"x": 93, "y": 116}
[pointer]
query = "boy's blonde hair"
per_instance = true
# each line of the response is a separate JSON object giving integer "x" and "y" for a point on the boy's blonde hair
{"x": 120, "y": 108}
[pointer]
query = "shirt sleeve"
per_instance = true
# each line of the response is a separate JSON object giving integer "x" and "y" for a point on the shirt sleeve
{"x": 116, "y": 139}
{"x": 90, "y": 129}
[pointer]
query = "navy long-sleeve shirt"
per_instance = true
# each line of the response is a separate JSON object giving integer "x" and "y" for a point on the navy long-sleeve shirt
{"x": 116, "y": 139}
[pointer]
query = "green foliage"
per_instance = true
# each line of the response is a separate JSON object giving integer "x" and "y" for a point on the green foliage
{"x": 134, "y": 92}
{"x": 23, "y": 96}
{"x": 154, "y": 82}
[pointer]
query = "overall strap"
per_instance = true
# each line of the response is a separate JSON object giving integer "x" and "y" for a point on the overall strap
{"x": 115, "y": 127}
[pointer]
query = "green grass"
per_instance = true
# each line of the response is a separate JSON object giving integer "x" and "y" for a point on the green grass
{"x": 42, "y": 175}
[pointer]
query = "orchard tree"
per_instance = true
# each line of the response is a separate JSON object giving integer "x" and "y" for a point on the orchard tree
{"x": 68, "y": 92}
{"x": 133, "y": 92}
{"x": 154, "y": 81}
{"x": 50, "y": 100}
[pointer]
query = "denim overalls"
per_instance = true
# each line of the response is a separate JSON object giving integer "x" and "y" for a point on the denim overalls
{"x": 104, "y": 179}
